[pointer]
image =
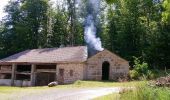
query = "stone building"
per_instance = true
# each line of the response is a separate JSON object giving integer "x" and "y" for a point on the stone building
{"x": 38, "y": 67}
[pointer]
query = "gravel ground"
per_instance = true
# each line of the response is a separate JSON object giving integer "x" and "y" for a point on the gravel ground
{"x": 71, "y": 94}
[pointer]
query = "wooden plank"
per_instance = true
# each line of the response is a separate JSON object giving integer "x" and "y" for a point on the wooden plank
{"x": 23, "y": 73}
{"x": 33, "y": 68}
{"x": 56, "y": 73}
{"x": 13, "y": 74}
{"x": 5, "y": 72}
{"x": 44, "y": 71}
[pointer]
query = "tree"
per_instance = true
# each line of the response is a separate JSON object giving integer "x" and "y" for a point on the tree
{"x": 125, "y": 28}
{"x": 166, "y": 12}
{"x": 134, "y": 29}
{"x": 60, "y": 33}
{"x": 25, "y": 26}
{"x": 35, "y": 19}
{"x": 75, "y": 26}
{"x": 8, "y": 35}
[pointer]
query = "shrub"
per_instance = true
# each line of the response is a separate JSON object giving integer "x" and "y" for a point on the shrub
{"x": 151, "y": 75}
{"x": 134, "y": 74}
{"x": 141, "y": 70}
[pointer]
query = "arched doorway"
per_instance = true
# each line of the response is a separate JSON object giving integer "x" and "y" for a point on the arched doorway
{"x": 105, "y": 70}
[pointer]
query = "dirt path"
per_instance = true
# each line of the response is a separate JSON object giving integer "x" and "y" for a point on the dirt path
{"x": 71, "y": 94}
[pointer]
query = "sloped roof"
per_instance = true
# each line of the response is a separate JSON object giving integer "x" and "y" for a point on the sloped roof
{"x": 49, "y": 55}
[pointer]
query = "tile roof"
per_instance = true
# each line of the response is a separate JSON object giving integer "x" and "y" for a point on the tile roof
{"x": 49, "y": 55}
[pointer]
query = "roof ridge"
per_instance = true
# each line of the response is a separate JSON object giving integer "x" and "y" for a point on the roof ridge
{"x": 56, "y": 48}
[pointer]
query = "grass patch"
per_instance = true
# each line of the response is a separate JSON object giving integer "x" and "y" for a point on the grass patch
{"x": 12, "y": 93}
{"x": 107, "y": 84}
{"x": 114, "y": 96}
{"x": 141, "y": 92}
{"x": 147, "y": 93}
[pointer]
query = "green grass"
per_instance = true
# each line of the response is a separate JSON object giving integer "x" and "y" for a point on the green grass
{"x": 147, "y": 93}
{"x": 114, "y": 96}
{"x": 12, "y": 93}
{"x": 141, "y": 92}
{"x": 77, "y": 84}
{"x": 107, "y": 84}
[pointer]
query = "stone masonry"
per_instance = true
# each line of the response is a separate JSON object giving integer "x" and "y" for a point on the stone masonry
{"x": 118, "y": 66}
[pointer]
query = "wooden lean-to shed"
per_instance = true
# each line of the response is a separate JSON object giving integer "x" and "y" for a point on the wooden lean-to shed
{"x": 38, "y": 67}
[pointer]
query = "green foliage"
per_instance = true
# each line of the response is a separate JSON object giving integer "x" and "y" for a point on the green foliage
{"x": 135, "y": 28}
{"x": 144, "y": 92}
{"x": 141, "y": 70}
{"x": 36, "y": 21}
{"x": 140, "y": 67}
{"x": 36, "y": 24}
{"x": 134, "y": 74}
{"x": 127, "y": 27}
{"x": 111, "y": 1}
{"x": 10, "y": 30}
{"x": 166, "y": 13}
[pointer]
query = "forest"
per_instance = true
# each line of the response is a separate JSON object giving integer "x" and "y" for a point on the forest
{"x": 129, "y": 28}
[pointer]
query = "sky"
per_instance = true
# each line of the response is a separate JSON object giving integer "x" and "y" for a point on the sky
{"x": 3, "y": 3}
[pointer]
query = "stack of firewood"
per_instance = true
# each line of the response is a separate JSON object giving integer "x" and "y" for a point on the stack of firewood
{"x": 162, "y": 81}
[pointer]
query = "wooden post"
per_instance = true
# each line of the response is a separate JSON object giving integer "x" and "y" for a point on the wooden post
{"x": 13, "y": 74}
{"x": 33, "y": 67}
{"x": 56, "y": 79}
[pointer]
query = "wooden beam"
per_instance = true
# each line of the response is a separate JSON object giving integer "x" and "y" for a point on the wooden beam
{"x": 56, "y": 77}
{"x": 13, "y": 74}
{"x": 5, "y": 72}
{"x": 33, "y": 78}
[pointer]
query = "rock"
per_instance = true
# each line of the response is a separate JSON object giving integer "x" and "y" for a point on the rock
{"x": 52, "y": 84}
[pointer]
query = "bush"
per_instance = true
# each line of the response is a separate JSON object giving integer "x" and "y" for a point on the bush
{"x": 134, "y": 74}
{"x": 151, "y": 75}
{"x": 141, "y": 70}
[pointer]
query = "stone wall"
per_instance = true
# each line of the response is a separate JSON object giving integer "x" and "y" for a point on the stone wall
{"x": 21, "y": 83}
{"x": 5, "y": 82}
{"x": 72, "y": 72}
{"x": 118, "y": 66}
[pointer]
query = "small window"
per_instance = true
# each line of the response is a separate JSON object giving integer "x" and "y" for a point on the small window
{"x": 71, "y": 72}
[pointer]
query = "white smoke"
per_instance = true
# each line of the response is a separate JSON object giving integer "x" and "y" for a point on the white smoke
{"x": 90, "y": 29}
{"x": 96, "y": 5}
{"x": 90, "y": 34}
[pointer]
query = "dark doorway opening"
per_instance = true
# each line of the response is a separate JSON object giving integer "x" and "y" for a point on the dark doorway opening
{"x": 44, "y": 79}
{"x": 24, "y": 68}
{"x": 105, "y": 70}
